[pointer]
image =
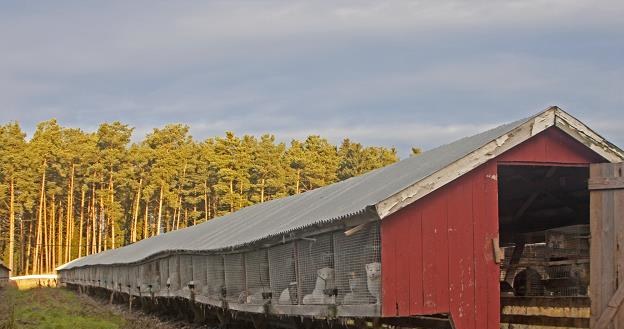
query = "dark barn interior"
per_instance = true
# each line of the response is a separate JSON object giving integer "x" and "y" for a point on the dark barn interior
{"x": 544, "y": 235}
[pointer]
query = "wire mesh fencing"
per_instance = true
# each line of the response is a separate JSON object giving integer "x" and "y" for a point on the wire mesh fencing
{"x": 358, "y": 265}
{"x": 282, "y": 274}
{"x": 122, "y": 277}
{"x": 186, "y": 271}
{"x": 134, "y": 277}
{"x": 154, "y": 279}
{"x": 92, "y": 275}
{"x": 163, "y": 265}
{"x": 215, "y": 273}
{"x": 235, "y": 277}
{"x": 258, "y": 286}
{"x": 316, "y": 274}
{"x": 145, "y": 274}
{"x": 554, "y": 263}
{"x": 173, "y": 282}
{"x": 340, "y": 267}
{"x": 200, "y": 274}
{"x": 570, "y": 242}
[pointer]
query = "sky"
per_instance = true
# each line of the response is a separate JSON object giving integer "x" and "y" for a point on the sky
{"x": 388, "y": 73}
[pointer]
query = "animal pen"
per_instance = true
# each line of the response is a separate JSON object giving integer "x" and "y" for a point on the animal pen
{"x": 4, "y": 274}
{"x": 516, "y": 227}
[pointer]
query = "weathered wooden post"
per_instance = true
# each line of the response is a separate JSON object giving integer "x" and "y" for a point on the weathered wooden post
{"x": 606, "y": 185}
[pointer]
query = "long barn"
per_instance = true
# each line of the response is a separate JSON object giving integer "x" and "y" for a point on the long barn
{"x": 4, "y": 274}
{"x": 467, "y": 235}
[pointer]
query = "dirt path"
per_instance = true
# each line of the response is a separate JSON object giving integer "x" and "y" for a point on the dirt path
{"x": 64, "y": 309}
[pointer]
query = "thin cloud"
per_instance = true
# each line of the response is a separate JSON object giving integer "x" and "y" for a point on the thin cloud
{"x": 397, "y": 73}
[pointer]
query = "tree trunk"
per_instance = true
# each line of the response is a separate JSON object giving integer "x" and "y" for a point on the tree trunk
{"x": 89, "y": 229}
{"x": 70, "y": 215}
{"x": 101, "y": 218}
{"x": 111, "y": 216}
{"x": 231, "y": 195}
{"x": 146, "y": 221}
{"x": 39, "y": 233}
{"x": 206, "y": 204}
{"x": 94, "y": 226}
{"x": 11, "y": 222}
{"x": 160, "y": 202}
{"x": 82, "y": 197}
{"x": 135, "y": 218}
{"x": 21, "y": 259}
{"x": 179, "y": 213}
{"x": 52, "y": 243}
{"x": 298, "y": 179}
{"x": 30, "y": 265}
{"x": 262, "y": 192}
{"x": 58, "y": 240}
{"x": 44, "y": 246}
{"x": 240, "y": 196}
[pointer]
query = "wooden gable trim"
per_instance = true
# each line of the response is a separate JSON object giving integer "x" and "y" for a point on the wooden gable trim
{"x": 553, "y": 116}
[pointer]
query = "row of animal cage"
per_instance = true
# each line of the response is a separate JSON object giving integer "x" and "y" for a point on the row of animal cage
{"x": 330, "y": 268}
{"x": 552, "y": 263}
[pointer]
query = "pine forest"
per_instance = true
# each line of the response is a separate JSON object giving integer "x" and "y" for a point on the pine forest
{"x": 66, "y": 193}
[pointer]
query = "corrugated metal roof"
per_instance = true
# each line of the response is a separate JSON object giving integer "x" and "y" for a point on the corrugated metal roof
{"x": 322, "y": 205}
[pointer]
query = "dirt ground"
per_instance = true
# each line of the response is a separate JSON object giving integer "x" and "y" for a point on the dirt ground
{"x": 61, "y": 308}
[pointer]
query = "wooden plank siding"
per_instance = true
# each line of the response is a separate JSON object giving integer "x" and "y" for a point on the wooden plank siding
{"x": 607, "y": 238}
{"x": 443, "y": 241}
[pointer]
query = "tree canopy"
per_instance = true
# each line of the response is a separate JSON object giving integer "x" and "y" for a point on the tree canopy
{"x": 67, "y": 193}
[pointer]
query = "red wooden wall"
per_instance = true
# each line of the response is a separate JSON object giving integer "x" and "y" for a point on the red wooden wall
{"x": 437, "y": 254}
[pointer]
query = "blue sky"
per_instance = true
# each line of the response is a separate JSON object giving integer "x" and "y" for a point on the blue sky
{"x": 395, "y": 73}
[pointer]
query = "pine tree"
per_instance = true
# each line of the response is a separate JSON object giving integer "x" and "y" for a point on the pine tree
{"x": 12, "y": 147}
{"x": 74, "y": 193}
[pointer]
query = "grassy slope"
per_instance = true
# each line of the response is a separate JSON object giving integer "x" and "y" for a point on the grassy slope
{"x": 55, "y": 309}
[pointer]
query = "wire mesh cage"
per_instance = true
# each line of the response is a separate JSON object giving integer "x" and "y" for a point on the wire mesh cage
{"x": 186, "y": 271}
{"x": 107, "y": 277}
{"x": 555, "y": 263}
{"x": 154, "y": 279}
{"x": 215, "y": 272}
{"x": 282, "y": 269}
{"x": 163, "y": 265}
{"x": 568, "y": 280}
{"x": 257, "y": 276}
{"x": 122, "y": 277}
{"x": 145, "y": 275}
{"x": 110, "y": 277}
{"x": 114, "y": 277}
{"x": 528, "y": 282}
{"x": 358, "y": 265}
{"x": 316, "y": 275}
{"x": 174, "y": 273}
{"x": 134, "y": 277}
{"x": 92, "y": 275}
{"x": 235, "y": 277}
{"x": 570, "y": 242}
{"x": 200, "y": 276}
{"x": 96, "y": 276}
{"x": 125, "y": 279}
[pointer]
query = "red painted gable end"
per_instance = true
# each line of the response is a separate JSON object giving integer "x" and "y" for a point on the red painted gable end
{"x": 437, "y": 254}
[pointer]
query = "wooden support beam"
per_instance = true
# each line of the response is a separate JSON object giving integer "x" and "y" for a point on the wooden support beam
{"x": 612, "y": 308}
{"x": 606, "y": 183}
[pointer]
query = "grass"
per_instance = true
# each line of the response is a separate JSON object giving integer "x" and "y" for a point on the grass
{"x": 53, "y": 308}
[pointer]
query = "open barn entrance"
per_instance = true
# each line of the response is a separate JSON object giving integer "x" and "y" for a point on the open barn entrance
{"x": 544, "y": 237}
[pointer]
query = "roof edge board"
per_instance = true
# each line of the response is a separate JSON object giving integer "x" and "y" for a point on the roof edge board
{"x": 494, "y": 148}
{"x": 585, "y": 135}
